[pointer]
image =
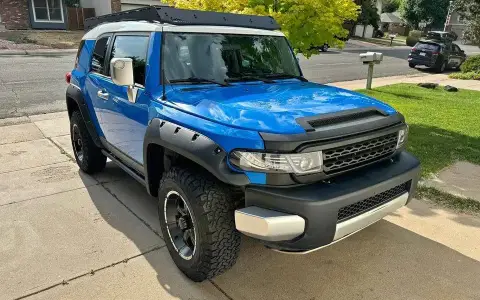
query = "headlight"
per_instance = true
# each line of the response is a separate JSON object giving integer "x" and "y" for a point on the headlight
{"x": 298, "y": 163}
{"x": 402, "y": 137}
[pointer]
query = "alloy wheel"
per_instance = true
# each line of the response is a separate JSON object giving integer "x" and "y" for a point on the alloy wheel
{"x": 180, "y": 225}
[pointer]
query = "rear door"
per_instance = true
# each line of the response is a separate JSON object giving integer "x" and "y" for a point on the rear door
{"x": 456, "y": 57}
{"x": 95, "y": 82}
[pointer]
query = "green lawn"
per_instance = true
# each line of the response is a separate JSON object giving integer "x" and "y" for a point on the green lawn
{"x": 444, "y": 127}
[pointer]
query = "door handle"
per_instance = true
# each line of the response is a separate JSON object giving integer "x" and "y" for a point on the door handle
{"x": 102, "y": 94}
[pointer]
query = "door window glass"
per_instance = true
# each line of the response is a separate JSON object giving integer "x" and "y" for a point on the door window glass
{"x": 98, "y": 58}
{"x": 134, "y": 47}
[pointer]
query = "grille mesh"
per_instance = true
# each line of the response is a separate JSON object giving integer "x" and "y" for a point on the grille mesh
{"x": 360, "y": 207}
{"x": 354, "y": 155}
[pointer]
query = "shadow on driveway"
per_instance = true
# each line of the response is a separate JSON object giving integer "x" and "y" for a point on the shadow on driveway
{"x": 384, "y": 261}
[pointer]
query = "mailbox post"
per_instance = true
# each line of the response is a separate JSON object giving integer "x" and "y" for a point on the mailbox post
{"x": 370, "y": 59}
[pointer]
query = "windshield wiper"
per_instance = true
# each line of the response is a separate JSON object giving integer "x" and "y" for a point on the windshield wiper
{"x": 286, "y": 75}
{"x": 199, "y": 80}
{"x": 249, "y": 77}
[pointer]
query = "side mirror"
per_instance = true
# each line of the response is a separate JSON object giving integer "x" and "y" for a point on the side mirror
{"x": 121, "y": 70}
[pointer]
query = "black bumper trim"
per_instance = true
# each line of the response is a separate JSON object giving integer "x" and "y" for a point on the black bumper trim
{"x": 319, "y": 203}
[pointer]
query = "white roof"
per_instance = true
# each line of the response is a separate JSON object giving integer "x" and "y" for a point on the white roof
{"x": 143, "y": 26}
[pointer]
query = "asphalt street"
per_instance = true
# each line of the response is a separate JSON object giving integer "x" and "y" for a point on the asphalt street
{"x": 35, "y": 84}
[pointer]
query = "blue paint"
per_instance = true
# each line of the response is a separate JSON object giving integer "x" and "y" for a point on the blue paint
{"x": 271, "y": 108}
{"x": 231, "y": 116}
{"x": 257, "y": 178}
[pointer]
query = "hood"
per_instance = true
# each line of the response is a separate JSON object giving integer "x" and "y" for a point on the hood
{"x": 270, "y": 108}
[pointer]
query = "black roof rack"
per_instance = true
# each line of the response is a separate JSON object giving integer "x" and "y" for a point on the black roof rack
{"x": 175, "y": 16}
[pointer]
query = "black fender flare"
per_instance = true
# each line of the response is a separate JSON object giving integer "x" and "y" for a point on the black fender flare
{"x": 74, "y": 93}
{"x": 192, "y": 145}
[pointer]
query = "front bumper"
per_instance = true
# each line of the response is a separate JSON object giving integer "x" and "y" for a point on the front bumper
{"x": 306, "y": 218}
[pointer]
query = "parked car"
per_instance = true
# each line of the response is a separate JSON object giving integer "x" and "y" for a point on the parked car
{"x": 436, "y": 55}
{"x": 211, "y": 113}
{"x": 444, "y": 36}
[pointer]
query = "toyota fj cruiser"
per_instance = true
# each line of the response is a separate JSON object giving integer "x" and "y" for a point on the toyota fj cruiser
{"x": 211, "y": 113}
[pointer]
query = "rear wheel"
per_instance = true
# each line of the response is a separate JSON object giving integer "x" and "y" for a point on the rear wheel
{"x": 88, "y": 156}
{"x": 441, "y": 67}
{"x": 197, "y": 220}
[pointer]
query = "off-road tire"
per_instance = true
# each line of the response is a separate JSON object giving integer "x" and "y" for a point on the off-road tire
{"x": 212, "y": 205}
{"x": 412, "y": 65}
{"x": 93, "y": 161}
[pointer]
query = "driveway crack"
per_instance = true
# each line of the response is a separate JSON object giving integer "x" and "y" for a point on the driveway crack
{"x": 89, "y": 273}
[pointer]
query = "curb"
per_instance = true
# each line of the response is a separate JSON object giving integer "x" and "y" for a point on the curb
{"x": 38, "y": 52}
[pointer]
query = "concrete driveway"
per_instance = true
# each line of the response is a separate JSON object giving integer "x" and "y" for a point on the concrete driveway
{"x": 67, "y": 235}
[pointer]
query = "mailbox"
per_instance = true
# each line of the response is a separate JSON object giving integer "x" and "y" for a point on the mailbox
{"x": 371, "y": 57}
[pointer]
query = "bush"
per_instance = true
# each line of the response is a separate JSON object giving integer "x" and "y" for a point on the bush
{"x": 413, "y": 37}
{"x": 412, "y": 41}
{"x": 465, "y": 76}
{"x": 415, "y": 33}
{"x": 472, "y": 64}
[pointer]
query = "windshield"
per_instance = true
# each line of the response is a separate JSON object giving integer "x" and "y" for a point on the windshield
{"x": 226, "y": 57}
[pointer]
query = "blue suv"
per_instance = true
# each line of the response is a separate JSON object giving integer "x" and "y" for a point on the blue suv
{"x": 211, "y": 113}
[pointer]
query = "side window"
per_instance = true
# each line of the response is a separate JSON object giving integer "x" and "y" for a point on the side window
{"x": 134, "y": 47}
{"x": 456, "y": 48}
{"x": 448, "y": 47}
{"x": 98, "y": 59}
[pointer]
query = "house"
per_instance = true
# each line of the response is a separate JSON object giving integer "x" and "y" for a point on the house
{"x": 456, "y": 24}
{"x": 52, "y": 14}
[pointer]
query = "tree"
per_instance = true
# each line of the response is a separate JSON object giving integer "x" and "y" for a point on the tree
{"x": 306, "y": 23}
{"x": 391, "y": 6}
{"x": 369, "y": 14}
{"x": 470, "y": 11}
{"x": 432, "y": 12}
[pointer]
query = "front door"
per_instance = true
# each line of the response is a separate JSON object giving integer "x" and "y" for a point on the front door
{"x": 124, "y": 123}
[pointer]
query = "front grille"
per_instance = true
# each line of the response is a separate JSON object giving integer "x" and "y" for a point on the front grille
{"x": 361, "y": 207}
{"x": 354, "y": 155}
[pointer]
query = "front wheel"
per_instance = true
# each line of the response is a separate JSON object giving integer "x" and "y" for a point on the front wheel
{"x": 412, "y": 65}
{"x": 197, "y": 220}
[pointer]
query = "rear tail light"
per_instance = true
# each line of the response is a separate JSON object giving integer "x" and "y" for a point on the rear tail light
{"x": 68, "y": 77}
{"x": 414, "y": 49}
{"x": 436, "y": 53}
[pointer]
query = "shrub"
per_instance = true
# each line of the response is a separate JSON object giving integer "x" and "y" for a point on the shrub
{"x": 413, "y": 37}
{"x": 472, "y": 64}
{"x": 465, "y": 76}
{"x": 415, "y": 33}
{"x": 412, "y": 41}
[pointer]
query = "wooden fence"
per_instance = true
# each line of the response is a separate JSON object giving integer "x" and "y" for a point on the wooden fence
{"x": 76, "y": 16}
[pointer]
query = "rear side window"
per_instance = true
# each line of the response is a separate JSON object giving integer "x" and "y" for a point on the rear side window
{"x": 98, "y": 59}
{"x": 427, "y": 47}
{"x": 134, "y": 47}
{"x": 79, "y": 51}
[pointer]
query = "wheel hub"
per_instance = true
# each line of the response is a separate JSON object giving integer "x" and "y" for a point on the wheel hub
{"x": 182, "y": 223}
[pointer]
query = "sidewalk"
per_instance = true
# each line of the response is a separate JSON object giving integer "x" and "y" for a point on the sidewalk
{"x": 441, "y": 79}
{"x": 68, "y": 235}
